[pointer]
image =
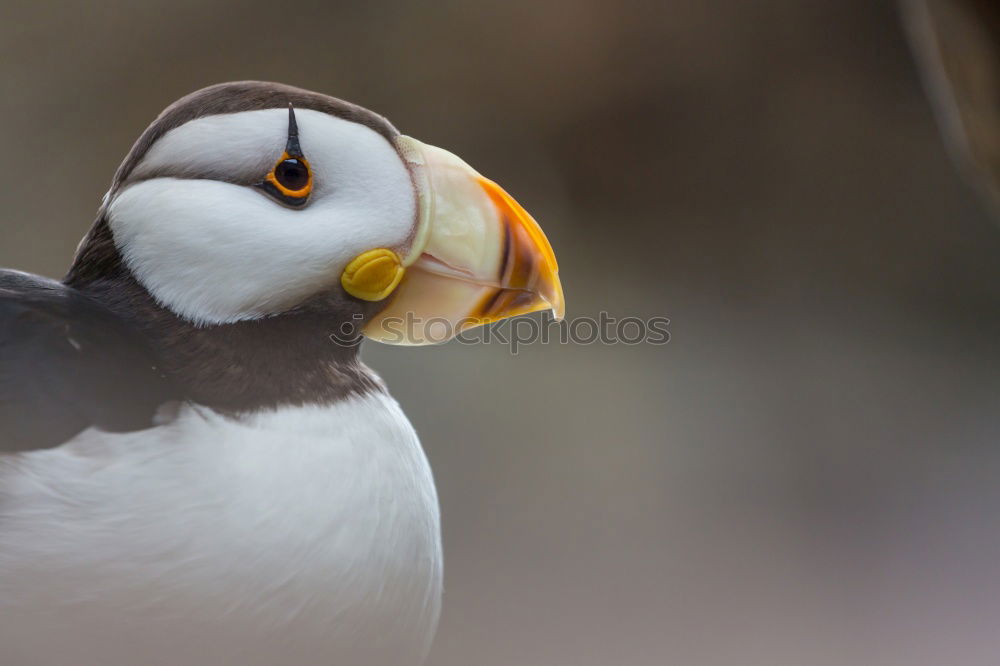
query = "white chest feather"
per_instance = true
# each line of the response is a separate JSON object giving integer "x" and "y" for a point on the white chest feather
{"x": 303, "y": 536}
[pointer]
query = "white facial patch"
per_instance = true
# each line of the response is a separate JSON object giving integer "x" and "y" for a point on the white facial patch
{"x": 214, "y": 251}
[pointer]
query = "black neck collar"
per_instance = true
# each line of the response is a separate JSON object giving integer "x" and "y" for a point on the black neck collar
{"x": 292, "y": 358}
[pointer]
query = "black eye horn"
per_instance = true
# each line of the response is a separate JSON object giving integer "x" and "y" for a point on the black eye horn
{"x": 292, "y": 147}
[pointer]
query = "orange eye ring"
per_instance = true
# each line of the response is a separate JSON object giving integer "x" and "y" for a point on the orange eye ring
{"x": 291, "y": 177}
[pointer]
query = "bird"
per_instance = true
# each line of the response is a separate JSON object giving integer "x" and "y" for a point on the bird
{"x": 196, "y": 467}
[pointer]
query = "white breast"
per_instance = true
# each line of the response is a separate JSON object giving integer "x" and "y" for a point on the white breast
{"x": 301, "y": 536}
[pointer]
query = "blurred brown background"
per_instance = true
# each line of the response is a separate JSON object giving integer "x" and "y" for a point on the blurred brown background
{"x": 806, "y": 474}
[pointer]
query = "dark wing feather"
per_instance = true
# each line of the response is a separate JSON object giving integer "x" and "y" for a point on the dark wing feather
{"x": 67, "y": 363}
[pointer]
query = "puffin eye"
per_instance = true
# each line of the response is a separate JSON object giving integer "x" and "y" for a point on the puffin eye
{"x": 292, "y": 174}
{"x": 290, "y": 180}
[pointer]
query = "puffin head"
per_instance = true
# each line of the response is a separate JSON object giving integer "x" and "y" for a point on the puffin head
{"x": 248, "y": 200}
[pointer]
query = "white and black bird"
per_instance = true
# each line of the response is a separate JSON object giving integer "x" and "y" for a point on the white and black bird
{"x": 195, "y": 467}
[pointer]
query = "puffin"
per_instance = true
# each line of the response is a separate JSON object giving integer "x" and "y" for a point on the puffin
{"x": 195, "y": 465}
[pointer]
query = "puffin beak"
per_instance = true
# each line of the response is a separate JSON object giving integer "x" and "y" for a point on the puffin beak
{"x": 477, "y": 256}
